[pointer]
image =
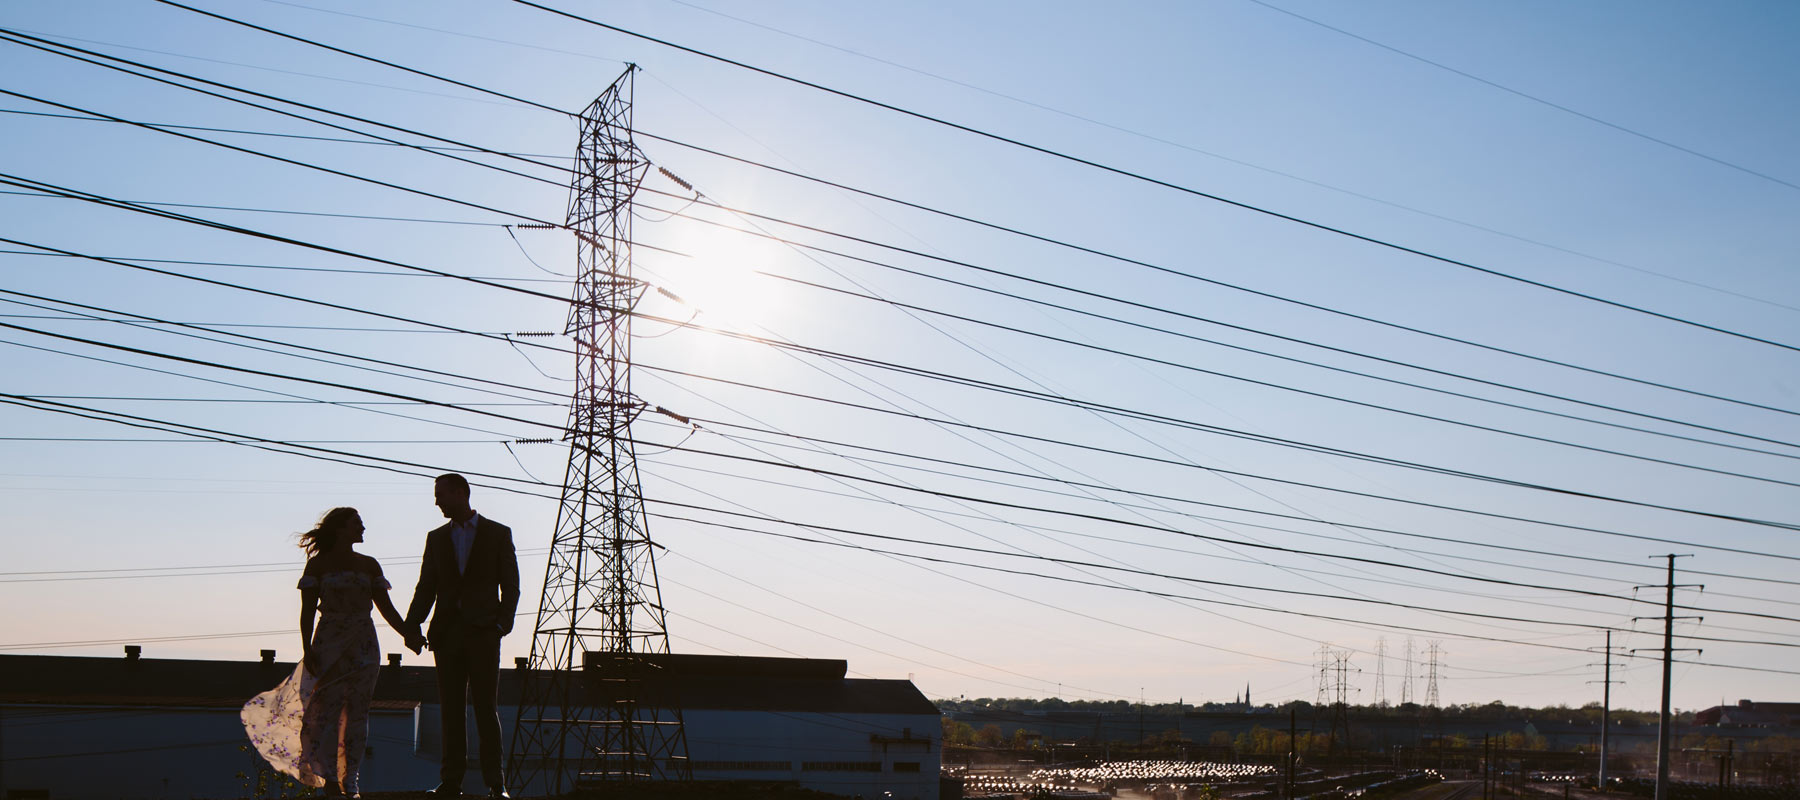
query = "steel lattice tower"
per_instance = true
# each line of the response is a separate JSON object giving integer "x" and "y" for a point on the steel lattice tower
{"x": 1381, "y": 671}
{"x": 1340, "y": 706}
{"x": 585, "y": 720}
{"x": 1431, "y": 692}
{"x": 1406, "y": 684}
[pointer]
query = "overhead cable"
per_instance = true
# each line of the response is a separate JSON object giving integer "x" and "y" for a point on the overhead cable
{"x": 1063, "y": 441}
{"x": 1143, "y": 178}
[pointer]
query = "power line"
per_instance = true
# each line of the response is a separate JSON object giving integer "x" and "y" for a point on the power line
{"x": 1251, "y": 165}
{"x": 1463, "y": 592}
{"x": 873, "y": 629}
{"x": 400, "y": 67}
{"x": 672, "y": 141}
{"x": 269, "y": 444}
{"x": 1190, "y": 501}
{"x": 1533, "y": 98}
{"x": 128, "y": 419}
{"x": 69, "y": 51}
{"x": 1325, "y": 557}
{"x": 885, "y": 198}
{"x": 1234, "y": 287}
{"x": 1143, "y": 178}
{"x": 279, "y": 376}
{"x": 274, "y": 134}
{"x": 1115, "y": 587}
{"x": 1063, "y": 441}
{"x": 1144, "y": 416}
{"x": 989, "y": 323}
{"x": 1200, "y": 536}
{"x": 334, "y": 215}
{"x": 241, "y": 265}
{"x": 143, "y": 321}
{"x": 102, "y": 200}
{"x": 999, "y": 138}
{"x": 236, "y": 386}
{"x": 282, "y": 159}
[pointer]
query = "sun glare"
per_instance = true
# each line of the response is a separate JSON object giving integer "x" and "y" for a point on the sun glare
{"x": 721, "y": 280}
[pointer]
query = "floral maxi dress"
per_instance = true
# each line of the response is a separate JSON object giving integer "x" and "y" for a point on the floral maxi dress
{"x": 314, "y": 727}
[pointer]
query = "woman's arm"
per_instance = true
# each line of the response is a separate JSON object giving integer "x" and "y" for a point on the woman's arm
{"x": 408, "y": 631}
{"x": 309, "y": 606}
{"x": 385, "y": 604}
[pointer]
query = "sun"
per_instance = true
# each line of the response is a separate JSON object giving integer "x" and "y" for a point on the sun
{"x": 723, "y": 278}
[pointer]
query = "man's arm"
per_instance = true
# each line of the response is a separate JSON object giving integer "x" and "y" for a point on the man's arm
{"x": 426, "y": 591}
{"x": 509, "y": 583}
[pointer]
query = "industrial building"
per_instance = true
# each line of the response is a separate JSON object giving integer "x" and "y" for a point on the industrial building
{"x": 134, "y": 727}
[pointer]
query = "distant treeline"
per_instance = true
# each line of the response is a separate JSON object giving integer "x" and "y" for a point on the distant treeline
{"x": 1495, "y": 710}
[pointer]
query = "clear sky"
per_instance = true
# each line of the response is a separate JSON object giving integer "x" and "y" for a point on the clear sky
{"x": 1365, "y": 326}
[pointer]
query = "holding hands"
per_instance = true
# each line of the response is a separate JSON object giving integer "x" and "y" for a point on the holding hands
{"x": 415, "y": 639}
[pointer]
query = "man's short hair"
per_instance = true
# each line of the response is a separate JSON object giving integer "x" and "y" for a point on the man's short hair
{"x": 456, "y": 481}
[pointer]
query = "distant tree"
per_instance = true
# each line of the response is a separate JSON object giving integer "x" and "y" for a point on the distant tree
{"x": 958, "y": 732}
{"x": 989, "y": 736}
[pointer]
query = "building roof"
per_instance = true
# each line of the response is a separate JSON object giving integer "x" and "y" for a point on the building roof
{"x": 692, "y": 681}
{"x": 76, "y": 680}
{"x": 1750, "y": 713}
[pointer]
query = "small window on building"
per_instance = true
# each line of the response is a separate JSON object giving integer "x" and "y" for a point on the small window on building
{"x": 906, "y": 766}
{"x": 841, "y": 766}
{"x": 735, "y": 766}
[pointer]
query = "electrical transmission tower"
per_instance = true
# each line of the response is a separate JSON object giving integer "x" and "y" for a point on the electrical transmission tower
{"x": 1431, "y": 672}
{"x": 1380, "y": 671}
{"x": 586, "y": 713}
{"x": 1340, "y": 706}
{"x": 1325, "y": 654}
{"x": 1406, "y": 683}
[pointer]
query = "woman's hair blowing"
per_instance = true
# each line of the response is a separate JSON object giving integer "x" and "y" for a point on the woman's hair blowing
{"x": 324, "y": 535}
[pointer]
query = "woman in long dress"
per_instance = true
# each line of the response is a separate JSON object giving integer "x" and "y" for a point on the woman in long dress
{"x": 315, "y": 724}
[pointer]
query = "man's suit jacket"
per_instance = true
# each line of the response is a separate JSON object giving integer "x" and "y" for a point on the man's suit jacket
{"x": 484, "y": 596}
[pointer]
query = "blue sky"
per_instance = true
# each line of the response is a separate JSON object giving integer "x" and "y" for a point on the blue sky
{"x": 1636, "y": 153}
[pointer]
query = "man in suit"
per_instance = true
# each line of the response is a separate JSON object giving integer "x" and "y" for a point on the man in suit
{"x": 471, "y": 576}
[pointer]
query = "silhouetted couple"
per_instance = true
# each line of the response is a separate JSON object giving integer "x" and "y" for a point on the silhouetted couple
{"x": 314, "y": 725}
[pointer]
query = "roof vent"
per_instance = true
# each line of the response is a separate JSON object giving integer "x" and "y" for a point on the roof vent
{"x": 132, "y": 652}
{"x": 393, "y": 659}
{"x": 268, "y": 656}
{"x": 521, "y": 662}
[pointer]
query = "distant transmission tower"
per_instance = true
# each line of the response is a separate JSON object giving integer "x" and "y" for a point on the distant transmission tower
{"x": 1431, "y": 683}
{"x": 1325, "y": 654}
{"x": 585, "y": 721}
{"x": 1340, "y": 706}
{"x": 1381, "y": 671}
{"x": 1406, "y": 683}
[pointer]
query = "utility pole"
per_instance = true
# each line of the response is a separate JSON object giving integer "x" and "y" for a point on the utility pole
{"x": 1486, "y": 769}
{"x": 1293, "y": 750}
{"x": 1665, "y": 724}
{"x": 1606, "y": 711}
{"x": 586, "y": 713}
